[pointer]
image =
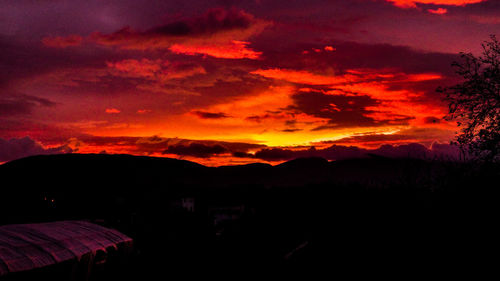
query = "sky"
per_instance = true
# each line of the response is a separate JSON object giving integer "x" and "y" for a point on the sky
{"x": 233, "y": 82}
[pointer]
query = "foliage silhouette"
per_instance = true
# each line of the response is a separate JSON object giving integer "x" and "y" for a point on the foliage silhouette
{"x": 475, "y": 103}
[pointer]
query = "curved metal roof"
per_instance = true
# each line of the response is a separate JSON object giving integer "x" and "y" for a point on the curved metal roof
{"x": 28, "y": 246}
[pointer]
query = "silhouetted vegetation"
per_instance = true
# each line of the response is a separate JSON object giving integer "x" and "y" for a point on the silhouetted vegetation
{"x": 475, "y": 103}
{"x": 358, "y": 215}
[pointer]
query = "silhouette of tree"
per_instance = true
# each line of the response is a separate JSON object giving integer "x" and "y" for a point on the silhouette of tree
{"x": 475, "y": 103}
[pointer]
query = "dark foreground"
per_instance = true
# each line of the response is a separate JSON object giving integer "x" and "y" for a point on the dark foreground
{"x": 358, "y": 217}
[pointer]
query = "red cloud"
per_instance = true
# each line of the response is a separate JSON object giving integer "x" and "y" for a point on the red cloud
{"x": 112, "y": 111}
{"x": 413, "y": 3}
{"x": 62, "y": 42}
{"x": 439, "y": 11}
{"x": 300, "y": 76}
{"x": 231, "y": 50}
{"x": 329, "y": 48}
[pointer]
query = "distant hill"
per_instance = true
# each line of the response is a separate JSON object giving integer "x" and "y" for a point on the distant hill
{"x": 119, "y": 171}
{"x": 80, "y": 180}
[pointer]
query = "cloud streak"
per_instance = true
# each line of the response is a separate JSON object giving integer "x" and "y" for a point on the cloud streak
{"x": 210, "y": 115}
{"x": 196, "y": 150}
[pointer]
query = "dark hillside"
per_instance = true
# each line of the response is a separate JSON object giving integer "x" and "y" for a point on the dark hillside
{"x": 376, "y": 212}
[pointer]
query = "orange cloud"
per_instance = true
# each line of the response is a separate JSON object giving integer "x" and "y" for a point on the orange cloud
{"x": 300, "y": 76}
{"x": 439, "y": 11}
{"x": 260, "y": 116}
{"x": 62, "y": 42}
{"x": 231, "y": 50}
{"x": 351, "y": 76}
{"x": 112, "y": 111}
{"x": 413, "y": 3}
{"x": 421, "y": 77}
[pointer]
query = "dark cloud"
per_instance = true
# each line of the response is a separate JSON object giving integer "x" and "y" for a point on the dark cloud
{"x": 367, "y": 138}
{"x": 267, "y": 115}
{"x": 331, "y": 153}
{"x": 256, "y": 118}
{"x": 21, "y": 104}
{"x": 432, "y": 120}
{"x": 216, "y": 20}
{"x": 412, "y": 150}
{"x": 417, "y": 150}
{"x": 23, "y": 147}
{"x": 213, "y": 21}
{"x": 291, "y": 130}
{"x": 355, "y": 55}
{"x": 342, "y": 111}
{"x": 196, "y": 150}
{"x": 155, "y": 144}
{"x": 225, "y": 91}
{"x": 210, "y": 115}
{"x": 338, "y": 152}
{"x": 19, "y": 60}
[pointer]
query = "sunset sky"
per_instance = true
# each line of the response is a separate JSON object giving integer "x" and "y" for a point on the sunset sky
{"x": 229, "y": 82}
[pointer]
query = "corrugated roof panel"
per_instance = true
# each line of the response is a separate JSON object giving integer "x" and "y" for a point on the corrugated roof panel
{"x": 27, "y": 246}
